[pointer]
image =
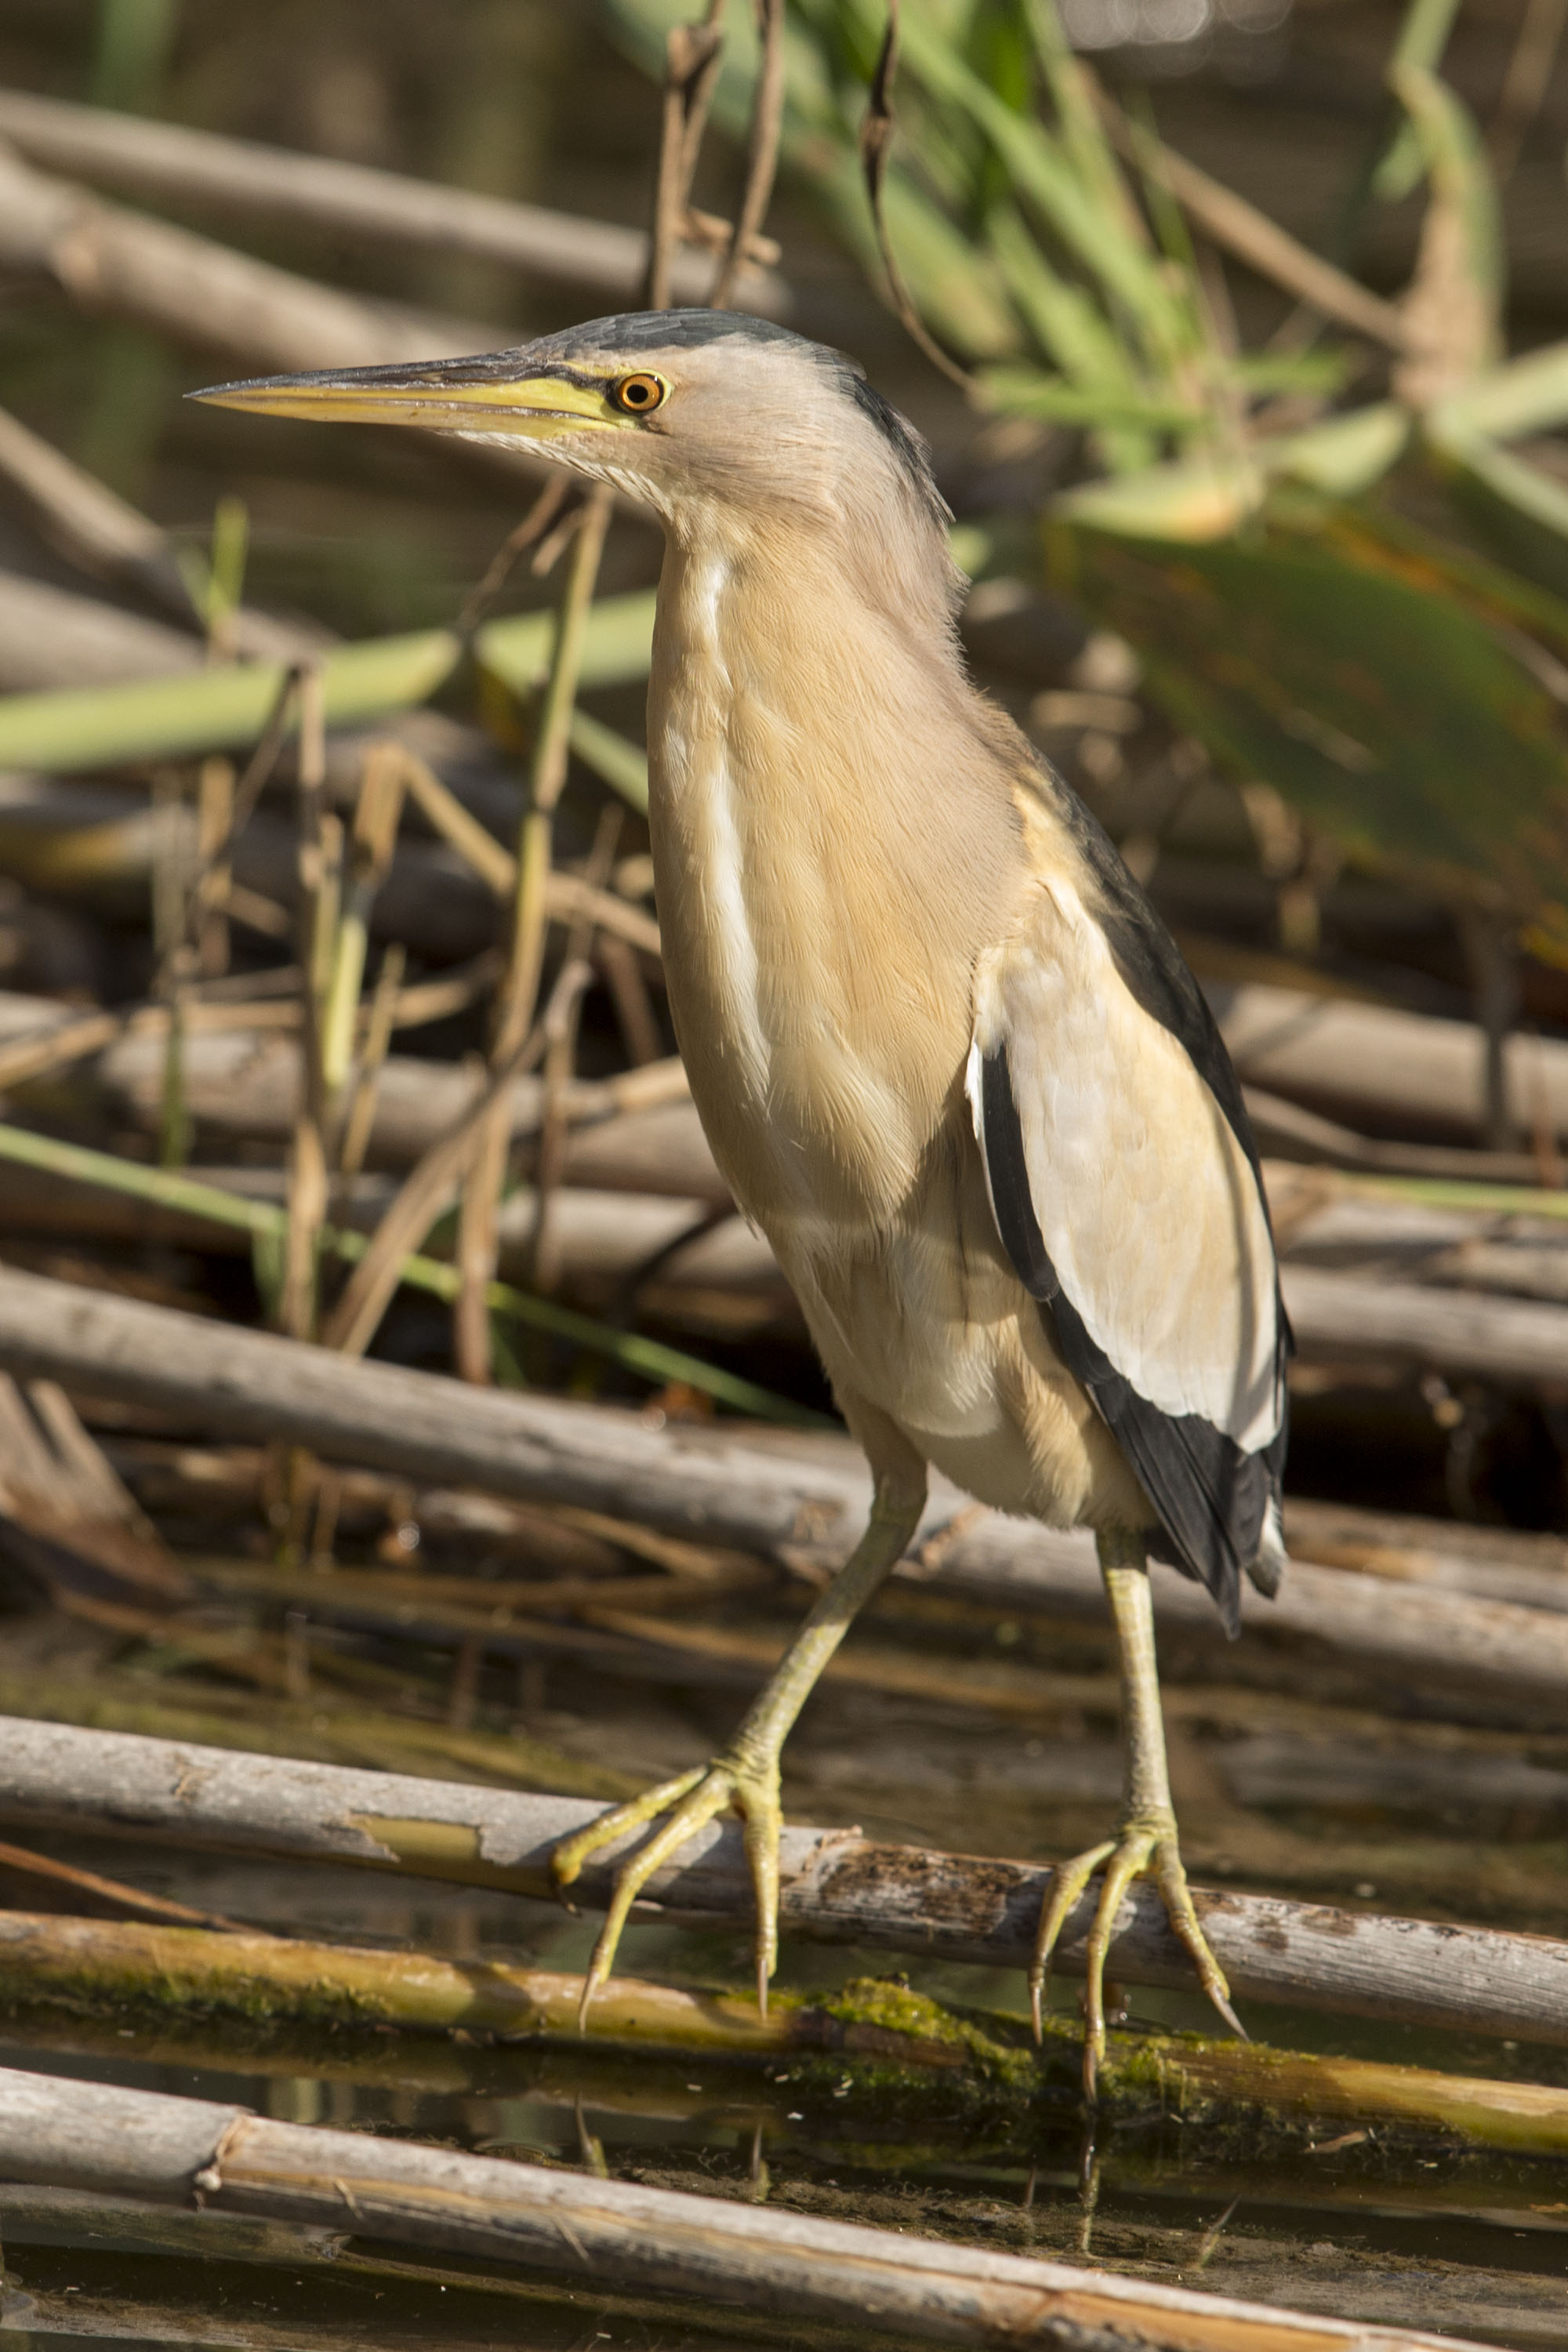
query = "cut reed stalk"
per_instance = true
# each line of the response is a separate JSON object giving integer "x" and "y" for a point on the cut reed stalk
{"x": 186, "y": 2151}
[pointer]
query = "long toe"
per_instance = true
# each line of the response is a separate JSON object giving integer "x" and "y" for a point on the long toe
{"x": 1139, "y": 1848}
{"x": 1171, "y": 1880}
{"x": 687, "y": 1804}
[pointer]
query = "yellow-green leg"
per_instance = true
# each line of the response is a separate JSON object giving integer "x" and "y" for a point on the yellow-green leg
{"x": 746, "y": 1774}
{"x": 1145, "y": 1840}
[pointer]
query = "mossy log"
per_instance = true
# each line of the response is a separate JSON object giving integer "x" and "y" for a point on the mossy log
{"x": 878, "y": 2037}
{"x": 195, "y": 2152}
{"x": 836, "y": 1887}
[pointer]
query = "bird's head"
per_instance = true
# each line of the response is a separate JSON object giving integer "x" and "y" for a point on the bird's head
{"x": 713, "y": 419}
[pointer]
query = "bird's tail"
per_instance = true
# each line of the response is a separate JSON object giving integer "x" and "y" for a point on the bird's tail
{"x": 1266, "y": 1571}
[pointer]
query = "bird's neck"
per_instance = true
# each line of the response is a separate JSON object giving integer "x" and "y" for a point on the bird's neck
{"x": 833, "y": 840}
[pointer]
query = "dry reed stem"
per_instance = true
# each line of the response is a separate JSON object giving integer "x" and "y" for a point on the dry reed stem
{"x": 638, "y": 1023}
{"x": 875, "y": 144}
{"x": 215, "y": 872}
{"x": 428, "y": 1187}
{"x": 99, "y": 1889}
{"x": 613, "y": 2233}
{"x": 560, "y": 1025}
{"x": 1255, "y": 239}
{"x": 693, "y": 54}
{"x": 761, "y": 153}
{"x": 174, "y": 901}
{"x": 373, "y": 838}
{"x": 516, "y": 998}
{"x": 560, "y": 1061}
{"x": 544, "y": 510}
{"x": 1525, "y": 84}
{"x": 425, "y": 1192}
{"x": 308, "y": 1184}
{"x": 444, "y": 814}
{"x": 361, "y": 1116}
{"x": 569, "y": 898}
{"x": 162, "y": 160}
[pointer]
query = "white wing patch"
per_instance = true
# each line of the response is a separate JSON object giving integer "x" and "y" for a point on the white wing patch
{"x": 1147, "y": 1205}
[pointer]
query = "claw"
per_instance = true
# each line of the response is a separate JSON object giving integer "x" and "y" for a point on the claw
{"x": 691, "y": 1802}
{"x": 1138, "y": 1847}
{"x": 1068, "y": 1882}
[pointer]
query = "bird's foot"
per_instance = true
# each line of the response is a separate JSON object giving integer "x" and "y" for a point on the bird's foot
{"x": 1144, "y": 1845}
{"x": 744, "y": 1777}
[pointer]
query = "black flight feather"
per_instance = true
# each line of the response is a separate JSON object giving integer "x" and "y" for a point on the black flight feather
{"x": 1157, "y": 977}
{"x": 1212, "y": 1497}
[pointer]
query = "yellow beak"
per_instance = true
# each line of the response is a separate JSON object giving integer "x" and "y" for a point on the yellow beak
{"x": 440, "y": 395}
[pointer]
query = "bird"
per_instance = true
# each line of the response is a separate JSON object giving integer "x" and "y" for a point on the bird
{"x": 948, "y": 1057}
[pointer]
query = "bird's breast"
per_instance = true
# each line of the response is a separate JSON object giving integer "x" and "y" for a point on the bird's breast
{"x": 819, "y": 954}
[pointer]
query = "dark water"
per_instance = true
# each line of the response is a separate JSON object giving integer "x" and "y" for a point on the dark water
{"x": 1383, "y": 2225}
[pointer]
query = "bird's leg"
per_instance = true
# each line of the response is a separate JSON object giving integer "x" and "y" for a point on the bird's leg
{"x": 1146, "y": 1838}
{"x": 745, "y": 1775}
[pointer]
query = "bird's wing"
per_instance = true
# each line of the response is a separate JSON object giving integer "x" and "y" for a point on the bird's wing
{"x": 1128, "y": 1196}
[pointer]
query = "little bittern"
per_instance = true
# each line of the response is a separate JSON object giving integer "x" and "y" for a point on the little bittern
{"x": 947, "y": 1056}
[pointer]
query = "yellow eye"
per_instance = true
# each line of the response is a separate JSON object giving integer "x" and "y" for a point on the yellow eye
{"x": 640, "y": 395}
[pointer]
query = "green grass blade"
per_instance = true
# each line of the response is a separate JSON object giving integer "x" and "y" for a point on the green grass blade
{"x": 1025, "y": 391}
{"x": 1524, "y": 396}
{"x": 614, "y": 758}
{"x": 1523, "y": 510}
{"x": 267, "y": 1223}
{"x": 1461, "y": 185}
{"x": 224, "y": 708}
{"x": 212, "y": 709}
{"x": 1192, "y": 500}
{"x": 1460, "y": 1192}
{"x": 1344, "y": 457}
{"x": 1422, "y": 38}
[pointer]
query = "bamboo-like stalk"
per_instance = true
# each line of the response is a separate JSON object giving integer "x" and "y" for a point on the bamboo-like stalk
{"x": 614, "y": 2233}
{"x": 837, "y": 1886}
{"x": 868, "y": 2035}
{"x": 517, "y": 997}
{"x": 221, "y": 708}
{"x": 307, "y": 1183}
{"x": 359, "y": 1118}
{"x": 372, "y": 841}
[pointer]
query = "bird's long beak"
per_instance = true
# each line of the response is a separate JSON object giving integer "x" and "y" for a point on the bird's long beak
{"x": 497, "y": 395}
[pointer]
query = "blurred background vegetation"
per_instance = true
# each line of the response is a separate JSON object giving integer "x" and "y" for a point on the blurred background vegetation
{"x": 1244, "y": 378}
{"x": 1372, "y": 523}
